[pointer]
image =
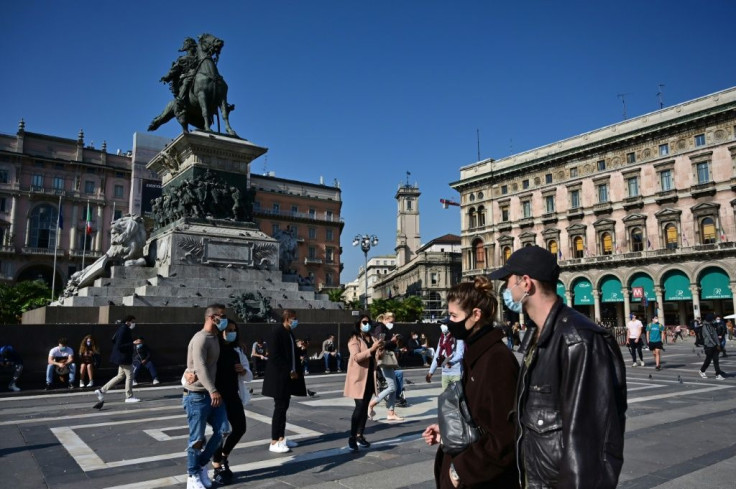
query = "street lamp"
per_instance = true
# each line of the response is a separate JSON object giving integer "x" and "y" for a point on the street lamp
{"x": 365, "y": 242}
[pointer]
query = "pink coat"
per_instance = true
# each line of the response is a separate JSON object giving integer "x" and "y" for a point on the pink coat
{"x": 357, "y": 376}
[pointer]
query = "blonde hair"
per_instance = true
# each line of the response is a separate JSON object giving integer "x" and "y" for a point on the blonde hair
{"x": 388, "y": 313}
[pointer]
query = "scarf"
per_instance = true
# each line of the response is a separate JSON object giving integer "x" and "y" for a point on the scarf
{"x": 447, "y": 345}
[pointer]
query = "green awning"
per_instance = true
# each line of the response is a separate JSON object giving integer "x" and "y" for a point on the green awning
{"x": 561, "y": 291}
{"x": 677, "y": 287}
{"x": 714, "y": 284}
{"x": 583, "y": 292}
{"x": 611, "y": 289}
{"x": 645, "y": 281}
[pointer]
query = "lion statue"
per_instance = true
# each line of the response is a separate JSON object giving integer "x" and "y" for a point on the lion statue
{"x": 127, "y": 239}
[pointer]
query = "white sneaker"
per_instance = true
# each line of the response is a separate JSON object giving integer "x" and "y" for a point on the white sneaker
{"x": 134, "y": 383}
{"x": 278, "y": 447}
{"x": 290, "y": 444}
{"x": 720, "y": 377}
{"x": 13, "y": 387}
{"x": 156, "y": 382}
{"x": 100, "y": 395}
{"x": 81, "y": 384}
{"x": 633, "y": 364}
{"x": 702, "y": 374}
{"x": 204, "y": 478}
{"x": 132, "y": 399}
{"x": 193, "y": 482}
{"x": 641, "y": 363}
{"x": 91, "y": 384}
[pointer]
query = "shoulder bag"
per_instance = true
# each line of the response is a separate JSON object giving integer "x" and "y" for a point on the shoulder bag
{"x": 457, "y": 428}
{"x": 388, "y": 360}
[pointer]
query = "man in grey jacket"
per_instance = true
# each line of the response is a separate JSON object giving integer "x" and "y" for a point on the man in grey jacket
{"x": 712, "y": 345}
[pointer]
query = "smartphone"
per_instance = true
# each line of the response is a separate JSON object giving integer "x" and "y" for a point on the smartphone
{"x": 381, "y": 336}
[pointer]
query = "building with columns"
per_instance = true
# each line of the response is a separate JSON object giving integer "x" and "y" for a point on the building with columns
{"x": 37, "y": 172}
{"x": 641, "y": 213}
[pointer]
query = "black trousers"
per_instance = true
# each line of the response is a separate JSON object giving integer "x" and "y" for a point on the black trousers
{"x": 635, "y": 346}
{"x": 236, "y": 418}
{"x": 278, "y": 421}
{"x": 360, "y": 413}
{"x": 711, "y": 353}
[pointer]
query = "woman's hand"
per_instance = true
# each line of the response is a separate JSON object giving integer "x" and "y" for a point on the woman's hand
{"x": 239, "y": 368}
{"x": 376, "y": 345}
{"x": 431, "y": 435}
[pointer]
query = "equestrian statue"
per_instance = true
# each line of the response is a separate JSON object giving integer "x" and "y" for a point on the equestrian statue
{"x": 198, "y": 88}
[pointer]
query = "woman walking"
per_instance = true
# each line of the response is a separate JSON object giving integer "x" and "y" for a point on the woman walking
{"x": 360, "y": 382}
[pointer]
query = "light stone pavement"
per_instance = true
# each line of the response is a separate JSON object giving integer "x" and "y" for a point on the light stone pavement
{"x": 681, "y": 434}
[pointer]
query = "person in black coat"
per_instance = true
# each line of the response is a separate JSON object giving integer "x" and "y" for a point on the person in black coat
{"x": 283, "y": 378}
{"x": 122, "y": 356}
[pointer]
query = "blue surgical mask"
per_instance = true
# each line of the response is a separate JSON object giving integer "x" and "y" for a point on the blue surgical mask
{"x": 222, "y": 324}
{"x": 294, "y": 323}
{"x": 230, "y": 336}
{"x": 365, "y": 327}
{"x": 509, "y": 300}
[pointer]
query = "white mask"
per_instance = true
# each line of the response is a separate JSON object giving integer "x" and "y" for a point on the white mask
{"x": 131, "y": 325}
{"x": 389, "y": 326}
{"x": 443, "y": 328}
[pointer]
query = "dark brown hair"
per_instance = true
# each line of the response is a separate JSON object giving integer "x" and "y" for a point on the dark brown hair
{"x": 476, "y": 294}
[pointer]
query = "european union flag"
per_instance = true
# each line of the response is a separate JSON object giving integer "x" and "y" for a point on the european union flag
{"x": 61, "y": 218}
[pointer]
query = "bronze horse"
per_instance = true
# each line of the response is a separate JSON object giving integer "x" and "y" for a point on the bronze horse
{"x": 207, "y": 93}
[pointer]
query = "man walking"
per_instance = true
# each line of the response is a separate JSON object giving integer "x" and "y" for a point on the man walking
{"x": 633, "y": 339}
{"x": 655, "y": 337}
{"x": 571, "y": 369}
{"x": 122, "y": 356}
{"x": 712, "y": 344}
{"x": 201, "y": 400}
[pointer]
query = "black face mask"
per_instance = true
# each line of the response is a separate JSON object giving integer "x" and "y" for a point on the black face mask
{"x": 458, "y": 329}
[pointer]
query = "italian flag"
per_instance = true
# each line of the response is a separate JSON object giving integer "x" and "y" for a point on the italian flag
{"x": 89, "y": 221}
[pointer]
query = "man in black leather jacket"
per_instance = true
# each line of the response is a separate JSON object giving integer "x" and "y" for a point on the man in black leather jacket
{"x": 571, "y": 394}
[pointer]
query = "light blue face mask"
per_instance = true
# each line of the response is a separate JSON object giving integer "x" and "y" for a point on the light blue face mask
{"x": 230, "y": 336}
{"x": 366, "y": 328}
{"x": 222, "y": 324}
{"x": 294, "y": 323}
{"x": 509, "y": 300}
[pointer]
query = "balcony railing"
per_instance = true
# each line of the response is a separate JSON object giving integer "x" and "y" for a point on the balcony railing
{"x": 91, "y": 253}
{"x": 28, "y": 250}
{"x": 297, "y": 215}
{"x": 312, "y": 261}
{"x": 7, "y": 249}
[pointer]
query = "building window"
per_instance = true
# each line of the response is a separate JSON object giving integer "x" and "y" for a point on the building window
{"x": 665, "y": 180}
{"x": 664, "y": 149}
{"x": 573, "y": 172}
{"x": 700, "y": 140}
{"x": 504, "y": 189}
{"x": 434, "y": 278}
{"x": 633, "y": 185}
{"x": 329, "y": 254}
{"x": 312, "y": 214}
{"x": 481, "y": 216}
{"x": 312, "y": 233}
{"x": 408, "y": 204}
{"x": 256, "y": 206}
{"x": 552, "y": 247}
{"x": 479, "y": 253}
{"x": 328, "y": 279}
{"x": 472, "y": 222}
{"x": 703, "y": 172}
{"x": 549, "y": 202}
{"x": 58, "y": 183}
{"x": 526, "y": 209}
{"x": 84, "y": 241}
{"x": 631, "y": 157}
{"x": 574, "y": 199}
{"x": 3, "y": 176}
{"x": 670, "y": 232}
{"x": 312, "y": 253}
{"x": 3, "y": 203}
{"x": 708, "y": 230}
{"x": 119, "y": 191}
{"x": 42, "y": 233}
{"x": 276, "y": 208}
{"x": 525, "y": 184}
{"x": 506, "y": 254}
{"x": 601, "y": 165}
{"x": 548, "y": 178}
{"x": 603, "y": 193}
{"x": 89, "y": 187}
{"x": 329, "y": 234}
{"x": 637, "y": 240}
{"x": 504, "y": 214}
{"x": 328, "y": 216}
{"x": 606, "y": 244}
{"x": 275, "y": 228}
{"x": 37, "y": 181}
{"x": 294, "y": 210}
{"x": 117, "y": 214}
{"x": 578, "y": 248}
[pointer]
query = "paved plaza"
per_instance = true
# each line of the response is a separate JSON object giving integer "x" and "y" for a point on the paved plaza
{"x": 681, "y": 433}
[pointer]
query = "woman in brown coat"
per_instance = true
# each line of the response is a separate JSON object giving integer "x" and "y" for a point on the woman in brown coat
{"x": 360, "y": 381}
{"x": 489, "y": 378}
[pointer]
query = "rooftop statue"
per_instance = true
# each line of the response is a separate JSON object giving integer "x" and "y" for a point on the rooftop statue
{"x": 198, "y": 88}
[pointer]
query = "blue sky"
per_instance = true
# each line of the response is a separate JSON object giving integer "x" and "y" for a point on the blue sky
{"x": 363, "y": 92}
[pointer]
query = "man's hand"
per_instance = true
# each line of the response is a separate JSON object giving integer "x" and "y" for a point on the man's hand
{"x": 428, "y": 378}
{"x": 431, "y": 434}
{"x": 190, "y": 377}
{"x": 216, "y": 399}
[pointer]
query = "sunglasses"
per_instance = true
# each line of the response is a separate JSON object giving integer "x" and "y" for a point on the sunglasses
{"x": 364, "y": 322}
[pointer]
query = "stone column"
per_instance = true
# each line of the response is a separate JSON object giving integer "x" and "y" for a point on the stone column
{"x": 73, "y": 228}
{"x": 596, "y": 306}
{"x": 28, "y": 232}
{"x": 627, "y": 305}
{"x": 660, "y": 303}
{"x": 733, "y": 294}
{"x": 13, "y": 217}
{"x": 98, "y": 235}
{"x": 568, "y": 297}
{"x": 695, "y": 291}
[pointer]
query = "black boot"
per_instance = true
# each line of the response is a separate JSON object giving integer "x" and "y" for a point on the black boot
{"x": 352, "y": 444}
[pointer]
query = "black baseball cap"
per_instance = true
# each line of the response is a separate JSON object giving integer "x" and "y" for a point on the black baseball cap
{"x": 534, "y": 261}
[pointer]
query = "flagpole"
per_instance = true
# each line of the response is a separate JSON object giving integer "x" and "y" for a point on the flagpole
{"x": 84, "y": 244}
{"x": 56, "y": 248}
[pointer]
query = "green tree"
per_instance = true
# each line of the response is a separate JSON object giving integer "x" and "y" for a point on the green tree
{"x": 15, "y": 299}
{"x": 335, "y": 295}
{"x": 407, "y": 310}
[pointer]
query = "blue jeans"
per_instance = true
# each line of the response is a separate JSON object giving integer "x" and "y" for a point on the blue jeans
{"x": 200, "y": 412}
{"x": 148, "y": 366}
{"x": 338, "y": 359}
{"x": 399, "y": 375}
{"x": 423, "y": 353}
{"x": 389, "y": 393}
{"x": 50, "y": 373}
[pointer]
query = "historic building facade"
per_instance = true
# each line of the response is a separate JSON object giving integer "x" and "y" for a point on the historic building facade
{"x": 37, "y": 172}
{"x": 641, "y": 214}
{"x": 312, "y": 213}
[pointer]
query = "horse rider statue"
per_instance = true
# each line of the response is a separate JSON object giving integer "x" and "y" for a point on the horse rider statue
{"x": 180, "y": 76}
